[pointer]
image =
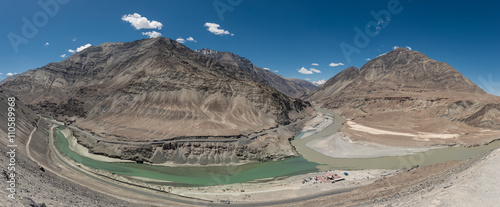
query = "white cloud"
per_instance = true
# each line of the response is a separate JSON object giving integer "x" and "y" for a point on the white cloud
{"x": 190, "y": 39}
{"x": 1, "y": 73}
{"x": 275, "y": 71}
{"x": 395, "y": 47}
{"x": 318, "y": 83}
{"x": 9, "y": 74}
{"x": 63, "y": 55}
{"x": 368, "y": 59}
{"x": 140, "y": 22}
{"x": 305, "y": 71}
{"x": 215, "y": 29}
{"x": 74, "y": 39}
{"x": 382, "y": 54}
{"x": 152, "y": 34}
{"x": 46, "y": 44}
{"x": 266, "y": 69}
{"x": 315, "y": 70}
{"x": 83, "y": 47}
{"x": 180, "y": 40}
{"x": 308, "y": 72}
{"x": 408, "y": 47}
{"x": 336, "y": 64}
{"x": 314, "y": 64}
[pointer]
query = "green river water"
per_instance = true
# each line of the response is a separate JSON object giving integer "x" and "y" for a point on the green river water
{"x": 311, "y": 161}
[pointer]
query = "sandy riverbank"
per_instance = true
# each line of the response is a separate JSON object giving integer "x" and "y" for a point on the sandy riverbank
{"x": 316, "y": 124}
{"x": 83, "y": 151}
{"x": 282, "y": 189}
{"x": 339, "y": 145}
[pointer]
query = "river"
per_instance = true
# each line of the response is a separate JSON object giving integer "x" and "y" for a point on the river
{"x": 310, "y": 161}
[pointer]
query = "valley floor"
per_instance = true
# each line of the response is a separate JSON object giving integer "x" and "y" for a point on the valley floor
{"x": 446, "y": 184}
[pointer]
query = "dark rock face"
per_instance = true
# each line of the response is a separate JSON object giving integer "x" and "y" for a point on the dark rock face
{"x": 156, "y": 89}
{"x": 487, "y": 117}
{"x": 291, "y": 87}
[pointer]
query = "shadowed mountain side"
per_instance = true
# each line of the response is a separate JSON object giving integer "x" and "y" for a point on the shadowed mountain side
{"x": 291, "y": 87}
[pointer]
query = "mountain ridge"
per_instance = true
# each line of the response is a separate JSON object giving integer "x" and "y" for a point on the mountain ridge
{"x": 407, "y": 91}
{"x": 155, "y": 89}
{"x": 291, "y": 87}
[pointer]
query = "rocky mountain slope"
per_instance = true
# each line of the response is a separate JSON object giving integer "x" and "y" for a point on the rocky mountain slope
{"x": 157, "y": 89}
{"x": 291, "y": 87}
{"x": 419, "y": 98}
{"x": 35, "y": 184}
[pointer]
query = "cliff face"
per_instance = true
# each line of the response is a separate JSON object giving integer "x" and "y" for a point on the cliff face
{"x": 408, "y": 91}
{"x": 291, "y": 87}
{"x": 156, "y": 89}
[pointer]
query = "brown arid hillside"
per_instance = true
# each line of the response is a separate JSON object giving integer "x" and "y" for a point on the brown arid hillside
{"x": 159, "y": 90}
{"x": 406, "y": 98}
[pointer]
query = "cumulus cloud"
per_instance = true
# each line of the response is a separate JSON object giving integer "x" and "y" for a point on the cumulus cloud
{"x": 408, "y": 47}
{"x": 395, "y": 47}
{"x": 368, "y": 59}
{"x": 315, "y": 70}
{"x": 215, "y": 29}
{"x": 305, "y": 71}
{"x": 180, "y": 40}
{"x": 266, "y": 69}
{"x": 308, "y": 72}
{"x": 83, "y": 47}
{"x": 46, "y": 44}
{"x": 314, "y": 64}
{"x": 275, "y": 71}
{"x": 152, "y": 34}
{"x": 63, "y": 55}
{"x": 336, "y": 64}
{"x": 140, "y": 22}
{"x": 318, "y": 83}
{"x": 9, "y": 74}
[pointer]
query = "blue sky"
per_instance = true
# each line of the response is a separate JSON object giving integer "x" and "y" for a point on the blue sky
{"x": 281, "y": 35}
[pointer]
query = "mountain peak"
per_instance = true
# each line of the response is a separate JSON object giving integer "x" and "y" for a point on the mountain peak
{"x": 206, "y": 51}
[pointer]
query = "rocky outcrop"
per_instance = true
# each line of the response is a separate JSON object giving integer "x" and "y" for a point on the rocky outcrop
{"x": 487, "y": 117}
{"x": 266, "y": 145}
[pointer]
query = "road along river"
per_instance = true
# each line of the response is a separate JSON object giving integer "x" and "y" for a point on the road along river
{"x": 312, "y": 161}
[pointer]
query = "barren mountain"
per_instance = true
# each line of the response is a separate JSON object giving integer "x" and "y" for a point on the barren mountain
{"x": 406, "y": 98}
{"x": 291, "y": 87}
{"x": 158, "y": 89}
